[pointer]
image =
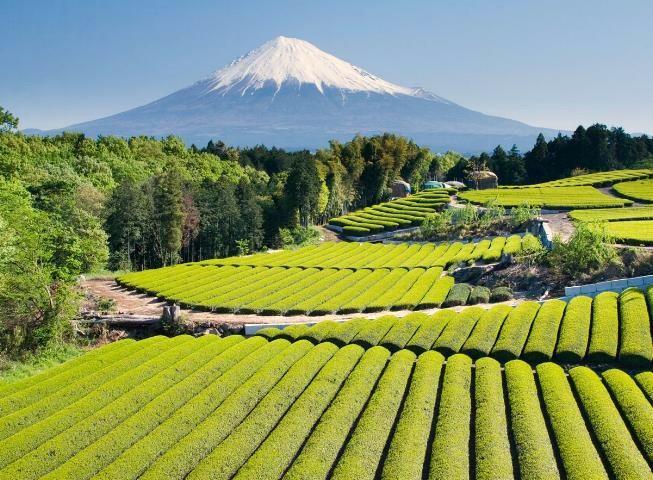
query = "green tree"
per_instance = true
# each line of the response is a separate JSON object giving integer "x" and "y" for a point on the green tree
{"x": 8, "y": 121}
{"x": 168, "y": 213}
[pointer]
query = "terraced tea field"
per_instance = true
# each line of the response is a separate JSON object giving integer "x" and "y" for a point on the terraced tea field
{"x": 545, "y": 197}
{"x": 641, "y": 190}
{"x": 331, "y": 277}
{"x": 595, "y": 179}
{"x": 241, "y": 408}
{"x": 610, "y": 328}
{"x": 632, "y": 232}
{"x": 392, "y": 215}
{"x": 612, "y": 214}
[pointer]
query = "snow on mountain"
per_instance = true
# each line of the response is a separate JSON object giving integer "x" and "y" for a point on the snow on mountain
{"x": 291, "y": 60}
{"x": 289, "y": 93}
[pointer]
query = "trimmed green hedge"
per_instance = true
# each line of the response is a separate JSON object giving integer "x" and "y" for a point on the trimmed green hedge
{"x": 608, "y": 427}
{"x": 458, "y": 295}
{"x": 636, "y": 346}
{"x": 362, "y": 455}
{"x": 579, "y": 456}
{"x": 604, "y": 334}
{"x": 574, "y": 330}
{"x": 320, "y": 452}
{"x": 407, "y": 449}
{"x": 532, "y": 443}
{"x": 492, "y": 444}
{"x": 450, "y": 452}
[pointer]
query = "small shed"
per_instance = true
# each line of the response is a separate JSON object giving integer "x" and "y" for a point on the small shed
{"x": 432, "y": 184}
{"x": 483, "y": 180}
{"x": 400, "y": 189}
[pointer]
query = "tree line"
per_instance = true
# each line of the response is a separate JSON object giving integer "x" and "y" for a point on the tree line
{"x": 594, "y": 149}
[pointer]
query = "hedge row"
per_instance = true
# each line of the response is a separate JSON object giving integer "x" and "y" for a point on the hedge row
{"x": 534, "y": 449}
{"x": 407, "y": 450}
{"x": 608, "y": 427}
{"x": 596, "y": 179}
{"x": 264, "y": 445}
{"x": 634, "y": 406}
{"x": 364, "y": 450}
{"x": 580, "y": 197}
{"x": 579, "y": 456}
{"x": 44, "y": 446}
{"x": 391, "y": 215}
{"x": 581, "y": 330}
{"x": 492, "y": 444}
{"x": 450, "y": 452}
{"x": 220, "y": 357}
{"x": 287, "y": 370}
{"x": 260, "y": 370}
{"x": 320, "y": 452}
{"x": 42, "y": 384}
{"x": 253, "y": 408}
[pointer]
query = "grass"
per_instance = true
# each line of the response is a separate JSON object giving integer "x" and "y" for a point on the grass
{"x": 32, "y": 364}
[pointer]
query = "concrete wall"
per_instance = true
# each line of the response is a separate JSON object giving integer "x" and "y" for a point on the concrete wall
{"x": 610, "y": 285}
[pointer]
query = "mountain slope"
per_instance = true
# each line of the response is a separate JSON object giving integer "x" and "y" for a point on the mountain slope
{"x": 291, "y": 94}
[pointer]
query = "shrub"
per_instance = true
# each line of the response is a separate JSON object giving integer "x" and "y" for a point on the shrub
{"x": 577, "y": 451}
{"x": 586, "y": 251}
{"x": 321, "y": 450}
{"x": 356, "y": 231}
{"x": 492, "y": 445}
{"x": 500, "y": 294}
{"x": 534, "y": 450}
{"x": 372, "y": 333}
{"x": 437, "y": 293}
{"x": 364, "y": 450}
{"x": 479, "y": 294}
{"x": 450, "y": 453}
{"x": 609, "y": 429}
{"x": 523, "y": 214}
{"x": 458, "y": 295}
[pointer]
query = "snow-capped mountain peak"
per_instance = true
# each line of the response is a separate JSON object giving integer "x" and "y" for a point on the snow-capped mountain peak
{"x": 291, "y": 60}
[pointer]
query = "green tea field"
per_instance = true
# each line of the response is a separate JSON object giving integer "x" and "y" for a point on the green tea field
{"x": 563, "y": 197}
{"x": 331, "y": 277}
{"x": 392, "y": 215}
{"x": 222, "y": 408}
{"x": 640, "y": 190}
{"x": 611, "y": 328}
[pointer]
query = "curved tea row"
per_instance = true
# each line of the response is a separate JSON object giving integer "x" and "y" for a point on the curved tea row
{"x": 251, "y": 408}
{"x": 318, "y": 280}
{"x": 607, "y": 329}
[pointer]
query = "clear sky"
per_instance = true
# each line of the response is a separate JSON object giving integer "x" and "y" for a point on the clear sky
{"x": 549, "y": 63}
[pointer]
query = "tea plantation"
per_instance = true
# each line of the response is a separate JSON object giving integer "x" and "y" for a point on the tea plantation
{"x": 566, "y": 198}
{"x": 331, "y": 277}
{"x": 259, "y": 409}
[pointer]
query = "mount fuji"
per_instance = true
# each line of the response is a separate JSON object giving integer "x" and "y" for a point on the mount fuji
{"x": 289, "y": 93}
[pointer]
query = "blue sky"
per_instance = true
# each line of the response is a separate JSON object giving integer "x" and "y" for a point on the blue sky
{"x": 548, "y": 63}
